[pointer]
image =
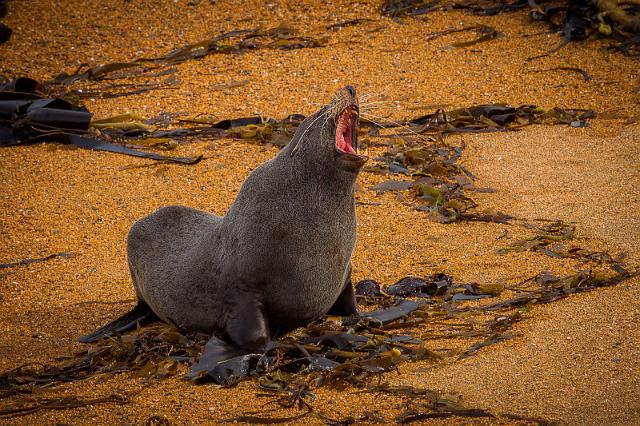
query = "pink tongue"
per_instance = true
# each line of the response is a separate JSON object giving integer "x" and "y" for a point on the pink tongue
{"x": 343, "y": 134}
{"x": 343, "y": 144}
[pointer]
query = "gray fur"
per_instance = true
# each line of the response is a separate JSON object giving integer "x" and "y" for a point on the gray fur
{"x": 278, "y": 259}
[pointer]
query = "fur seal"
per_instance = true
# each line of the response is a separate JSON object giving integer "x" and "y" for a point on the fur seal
{"x": 281, "y": 256}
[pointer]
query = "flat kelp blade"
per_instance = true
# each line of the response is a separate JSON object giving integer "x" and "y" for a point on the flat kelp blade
{"x": 56, "y": 114}
{"x": 21, "y": 86}
{"x": 392, "y": 185}
{"x": 238, "y": 122}
{"x": 436, "y": 285}
{"x": 5, "y": 33}
{"x": 401, "y": 309}
{"x": 87, "y": 142}
{"x": 221, "y": 362}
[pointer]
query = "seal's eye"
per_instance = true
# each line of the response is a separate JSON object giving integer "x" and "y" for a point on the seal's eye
{"x": 346, "y": 131}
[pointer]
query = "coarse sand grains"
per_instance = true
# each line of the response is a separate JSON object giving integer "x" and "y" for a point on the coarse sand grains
{"x": 576, "y": 361}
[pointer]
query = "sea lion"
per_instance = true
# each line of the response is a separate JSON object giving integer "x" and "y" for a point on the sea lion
{"x": 281, "y": 256}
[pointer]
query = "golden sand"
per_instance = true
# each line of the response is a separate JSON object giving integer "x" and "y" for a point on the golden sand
{"x": 576, "y": 361}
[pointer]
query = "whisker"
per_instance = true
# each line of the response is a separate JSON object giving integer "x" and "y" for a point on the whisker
{"x": 366, "y": 96}
{"x": 327, "y": 117}
{"x": 295, "y": 149}
{"x": 365, "y": 99}
{"x": 370, "y": 107}
{"x": 370, "y": 95}
{"x": 370, "y": 118}
{"x": 373, "y": 103}
{"x": 404, "y": 126}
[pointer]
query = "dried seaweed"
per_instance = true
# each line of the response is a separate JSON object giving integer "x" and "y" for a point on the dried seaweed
{"x": 495, "y": 117}
{"x": 485, "y": 33}
{"x": 420, "y": 403}
{"x": 28, "y": 117}
{"x": 152, "y": 352}
{"x": 5, "y": 33}
{"x": 550, "y": 238}
{"x": 585, "y": 75}
{"x": 427, "y": 404}
{"x": 546, "y": 238}
{"x": 441, "y": 186}
{"x": 333, "y": 351}
{"x": 353, "y": 350}
{"x": 348, "y": 23}
{"x": 575, "y": 19}
{"x": 396, "y": 8}
{"x": 283, "y": 37}
{"x": 23, "y": 408}
{"x": 117, "y": 90}
{"x": 547, "y": 287}
{"x": 261, "y": 420}
{"x": 493, "y": 339}
{"x": 64, "y": 255}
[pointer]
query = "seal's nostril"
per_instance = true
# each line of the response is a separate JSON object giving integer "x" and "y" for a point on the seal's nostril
{"x": 351, "y": 90}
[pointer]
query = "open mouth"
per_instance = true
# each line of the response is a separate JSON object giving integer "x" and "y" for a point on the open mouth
{"x": 347, "y": 131}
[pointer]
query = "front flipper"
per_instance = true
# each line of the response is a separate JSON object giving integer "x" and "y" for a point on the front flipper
{"x": 346, "y": 304}
{"x": 246, "y": 321}
{"x": 247, "y": 328}
{"x": 222, "y": 362}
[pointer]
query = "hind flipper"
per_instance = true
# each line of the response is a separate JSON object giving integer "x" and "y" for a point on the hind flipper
{"x": 140, "y": 315}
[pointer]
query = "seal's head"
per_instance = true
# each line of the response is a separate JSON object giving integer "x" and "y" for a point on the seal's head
{"x": 332, "y": 133}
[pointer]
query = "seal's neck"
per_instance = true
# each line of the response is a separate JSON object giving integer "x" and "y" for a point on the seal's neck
{"x": 320, "y": 172}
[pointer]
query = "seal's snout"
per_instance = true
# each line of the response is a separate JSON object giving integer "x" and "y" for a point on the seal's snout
{"x": 346, "y": 132}
{"x": 348, "y": 94}
{"x": 351, "y": 90}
